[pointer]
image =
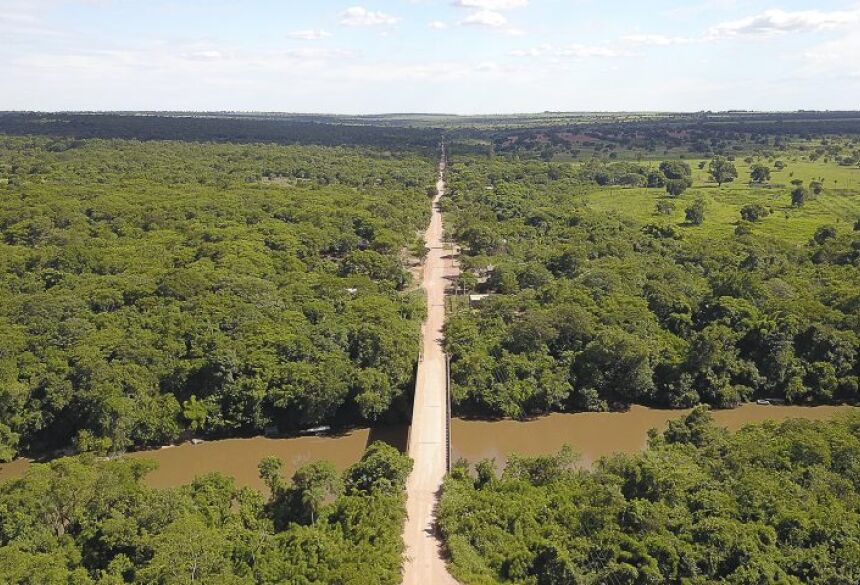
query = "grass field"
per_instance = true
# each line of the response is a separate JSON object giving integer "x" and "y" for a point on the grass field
{"x": 838, "y": 204}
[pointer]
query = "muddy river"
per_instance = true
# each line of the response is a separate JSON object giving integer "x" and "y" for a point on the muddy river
{"x": 590, "y": 434}
{"x": 595, "y": 434}
{"x": 239, "y": 457}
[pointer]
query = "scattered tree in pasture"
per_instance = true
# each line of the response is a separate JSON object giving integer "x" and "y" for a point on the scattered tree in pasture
{"x": 695, "y": 213}
{"x": 743, "y": 229}
{"x": 663, "y": 207}
{"x": 816, "y": 187}
{"x": 799, "y": 196}
{"x": 824, "y": 233}
{"x": 760, "y": 174}
{"x": 722, "y": 170}
{"x": 676, "y": 170}
{"x": 655, "y": 179}
{"x": 754, "y": 212}
{"x": 676, "y": 187}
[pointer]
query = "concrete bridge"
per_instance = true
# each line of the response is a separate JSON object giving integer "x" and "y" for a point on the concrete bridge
{"x": 430, "y": 433}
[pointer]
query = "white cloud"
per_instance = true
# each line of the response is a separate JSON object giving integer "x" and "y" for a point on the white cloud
{"x": 656, "y": 40}
{"x": 361, "y": 16}
{"x": 163, "y": 60}
{"x": 319, "y": 54}
{"x": 485, "y": 18}
{"x": 494, "y": 5}
{"x": 79, "y": 68}
{"x": 836, "y": 57}
{"x": 775, "y": 22}
{"x": 17, "y": 18}
{"x": 205, "y": 55}
{"x": 692, "y": 10}
{"x": 309, "y": 35}
{"x": 533, "y": 52}
{"x": 573, "y": 51}
{"x": 21, "y": 21}
{"x": 488, "y": 66}
{"x": 488, "y": 13}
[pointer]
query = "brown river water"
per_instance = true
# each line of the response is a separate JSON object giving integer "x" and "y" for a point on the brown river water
{"x": 591, "y": 434}
{"x": 595, "y": 434}
{"x": 239, "y": 457}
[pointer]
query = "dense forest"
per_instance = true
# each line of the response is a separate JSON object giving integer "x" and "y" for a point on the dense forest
{"x": 170, "y": 275}
{"x": 692, "y": 135}
{"x": 662, "y": 283}
{"x": 86, "y": 522}
{"x": 153, "y": 288}
{"x": 773, "y": 503}
{"x": 217, "y": 127}
{"x": 577, "y": 135}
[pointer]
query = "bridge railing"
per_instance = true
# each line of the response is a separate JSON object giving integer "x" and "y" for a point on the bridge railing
{"x": 448, "y": 411}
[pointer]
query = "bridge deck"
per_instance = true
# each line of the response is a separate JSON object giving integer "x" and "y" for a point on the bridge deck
{"x": 429, "y": 435}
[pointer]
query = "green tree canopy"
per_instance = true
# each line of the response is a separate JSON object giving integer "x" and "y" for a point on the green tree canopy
{"x": 722, "y": 170}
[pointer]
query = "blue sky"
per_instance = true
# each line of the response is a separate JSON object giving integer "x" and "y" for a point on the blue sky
{"x": 456, "y": 56}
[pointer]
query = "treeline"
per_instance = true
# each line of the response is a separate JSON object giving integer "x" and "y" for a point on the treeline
{"x": 590, "y": 309}
{"x": 90, "y": 522}
{"x": 152, "y": 289}
{"x": 703, "y": 134}
{"x": 545, "y": 135}
{"x": 771, "y": 504}
{"x": 224, "y": 127}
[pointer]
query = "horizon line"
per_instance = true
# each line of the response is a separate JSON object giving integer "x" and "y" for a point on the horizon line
{"x": 435, "y": 114}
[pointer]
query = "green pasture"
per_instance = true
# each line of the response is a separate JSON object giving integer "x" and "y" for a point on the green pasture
{"x": 838, "y": 204}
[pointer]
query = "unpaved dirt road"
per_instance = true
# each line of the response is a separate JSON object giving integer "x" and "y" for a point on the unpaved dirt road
{"x": 425, "y": 564}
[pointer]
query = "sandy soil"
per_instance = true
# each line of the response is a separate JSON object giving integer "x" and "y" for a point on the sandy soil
{"x": 427, "y": 441}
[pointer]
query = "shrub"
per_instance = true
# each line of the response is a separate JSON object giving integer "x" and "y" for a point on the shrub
{"x": 663, "y": 207}
{"x": 754, "y": 212}
{"x": 799, "y": 196}
{"x": 695, "y": 213}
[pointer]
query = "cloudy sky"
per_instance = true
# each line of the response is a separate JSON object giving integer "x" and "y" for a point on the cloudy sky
{"x": 457, "y": 56}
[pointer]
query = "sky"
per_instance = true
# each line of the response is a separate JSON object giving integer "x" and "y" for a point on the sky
{"x": 445, "y": 56}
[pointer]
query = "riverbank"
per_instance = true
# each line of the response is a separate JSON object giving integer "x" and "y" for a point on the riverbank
{"x": 596, "y": 434}
{"x": 592, "y": 434}
{"x": 238, "y": 458}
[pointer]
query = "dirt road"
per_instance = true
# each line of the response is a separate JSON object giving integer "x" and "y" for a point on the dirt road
{"x": 427, "y": 440}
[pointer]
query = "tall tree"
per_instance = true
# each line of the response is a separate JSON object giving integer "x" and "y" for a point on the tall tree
{"x": 316, "y": 483}
{"x": 760, "y": 174}
{"x": 676, "y": 187}
{"x": 722, "y": 170}
{"x": 799, "y": 196}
